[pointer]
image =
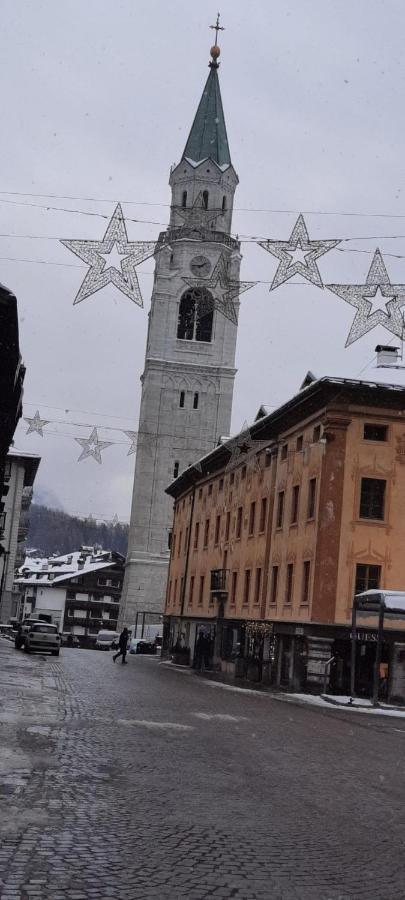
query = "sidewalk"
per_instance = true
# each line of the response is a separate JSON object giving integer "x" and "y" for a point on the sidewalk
{"x": 322, "y": 701}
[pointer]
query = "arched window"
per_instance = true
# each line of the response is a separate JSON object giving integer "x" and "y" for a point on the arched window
{"x": 223, "y": 203}
{"x": 196, "y": 313}
{"x": 205, "y": 199}
{"x": 184, "y": 199}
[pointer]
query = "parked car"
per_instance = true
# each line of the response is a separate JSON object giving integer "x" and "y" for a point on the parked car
{"x": 43, "y": 636}
{"x": 71, "y": 640}
{"x": 7, "y": 631}
{"x": 141, "y": 645}
{"x": 106, "y": 640}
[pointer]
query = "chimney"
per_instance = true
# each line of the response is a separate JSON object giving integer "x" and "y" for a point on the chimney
{"x": 386, "y": 356}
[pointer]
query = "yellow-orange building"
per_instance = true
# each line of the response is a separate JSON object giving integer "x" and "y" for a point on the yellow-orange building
{"x": 274, "y": 532}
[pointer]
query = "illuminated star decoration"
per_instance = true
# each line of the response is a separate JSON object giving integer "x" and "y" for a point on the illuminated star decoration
{"x": 197, "y": 217}
{"x": 298, "y": 255}
{"x": 377, "y": 288}
{"x": 225, "y": 291}
{"x": 241, "y": 447}
{"x": 115, "y": 242}
{"x": 133, "y": 437}
{"x": 36, "y": 424}
{"x": 92, "y": 446}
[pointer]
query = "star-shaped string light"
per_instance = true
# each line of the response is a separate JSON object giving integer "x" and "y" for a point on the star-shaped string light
{"x": 298, "y": 255}
{"x": 115, "y": 242}
{"x": 377, "y": 287}
{"x": 35, "y": 423}
{"x": 92, "y": 446}
{"x": 197, "y": 217}
{"x": 133, "y": 437}
{"x": 225, "y": 291}
{"x": 241, "y": 447}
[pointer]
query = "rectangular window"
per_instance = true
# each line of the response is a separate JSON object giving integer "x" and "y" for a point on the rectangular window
{"x": 206, "y": 532}
{"x": 191, "y": 591}
{"x": 258, "y": 585}
{"x": 176, "y": 468}
{"x": 274, "y": 584}
{"x": 181, "y": 589}
{"x": 375, "y": 432}
{"x": 196, "y": 535}
{"x": 368, "y": 578}
{"x": 179, "y": 546}
{"x": 300, "y": 441}
{"x": 234, "y": 587}
{"x": 295, "y": 503}
{"x": 227, "y": 525}
{"x": 311, "y": 498}
{"x": 217, "y": 529}
{"x": 243, "y": 473}
{"x": 239, "y": 521}
{"x": 246, "y": 587}
{"x": 169, "y": 593}
{"x": 221, "y": 484}
{"x": 201, "y": 591}
{"x": 209, "y": 490}
{"x": 195, "y": 401}
{"x": 284, "y": 451}
{"x": 169, "y": 540}
{"x": 200, "y": 493}
{"x": 182, "y": 399}
{"x": 263, "y": 514}
{"x": 280, "y": 509}
{"x": 2, "y": 521}
{"x": 232, "y": 478}
{"x": 316, "y": 434}
{"x": 175, "y": 592}
{"x": 289, "y": 583}
{"x": 252, "y": 516}
{"x": 173, "y": 543}
{"x": 267, "y": 458}
{"x": 7, "y": 470}
{"x": 372, "y": 498}
{"x": 186, "y": 539}
{"x": 306, "y": 574}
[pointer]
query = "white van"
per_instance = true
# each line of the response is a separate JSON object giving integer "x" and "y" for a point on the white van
{"x": 106, "y": 639}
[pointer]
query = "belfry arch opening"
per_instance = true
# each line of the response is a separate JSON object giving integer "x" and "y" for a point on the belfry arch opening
{"x": 196, "y": 315}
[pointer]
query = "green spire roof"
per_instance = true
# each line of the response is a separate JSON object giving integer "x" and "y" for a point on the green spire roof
{"x": 208, "y": 137}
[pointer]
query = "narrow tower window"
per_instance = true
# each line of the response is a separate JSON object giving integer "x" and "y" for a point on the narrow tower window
{"x": 223, "y": 203}
{"x": 182, "y": 398}
{"x": 195, "y": 401}
{"x": 184, "y": 199}
{"x": 205, "y": 199}
{"x": 176, "y": 468}
{"x": 196, "y": 313}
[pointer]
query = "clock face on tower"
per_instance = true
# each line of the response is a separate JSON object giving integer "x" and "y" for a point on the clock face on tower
{"x": 200, "y": 266}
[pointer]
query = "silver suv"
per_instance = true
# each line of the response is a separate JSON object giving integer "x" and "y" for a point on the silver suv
{"x": 42, "y": 636}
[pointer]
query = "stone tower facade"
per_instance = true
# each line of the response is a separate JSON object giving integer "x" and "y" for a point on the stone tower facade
{"x": 188, "y": 379}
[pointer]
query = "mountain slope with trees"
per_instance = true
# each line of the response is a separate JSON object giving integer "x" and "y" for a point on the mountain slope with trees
{"x": 53, "y": 531}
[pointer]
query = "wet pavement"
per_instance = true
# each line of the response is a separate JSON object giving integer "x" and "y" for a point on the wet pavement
{"x": 142, "y": 781}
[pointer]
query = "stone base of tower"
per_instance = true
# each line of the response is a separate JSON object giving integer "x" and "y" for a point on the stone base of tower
{"x": 144, "y": 588}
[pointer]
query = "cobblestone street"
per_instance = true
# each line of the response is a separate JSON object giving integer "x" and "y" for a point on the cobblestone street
{"x": 147, "y": 782}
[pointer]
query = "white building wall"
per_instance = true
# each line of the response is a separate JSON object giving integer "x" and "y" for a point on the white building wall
{"x": 12, "y": 509}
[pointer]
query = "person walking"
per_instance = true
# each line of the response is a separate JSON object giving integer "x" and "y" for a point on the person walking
{"x": 122, "y": 644}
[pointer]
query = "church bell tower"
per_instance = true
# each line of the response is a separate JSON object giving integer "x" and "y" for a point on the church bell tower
{"x": 188, "y": 379}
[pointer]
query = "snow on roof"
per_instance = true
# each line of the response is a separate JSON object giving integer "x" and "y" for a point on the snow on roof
{"x": 393, "y": 601}
{"x": 62, "y": 568}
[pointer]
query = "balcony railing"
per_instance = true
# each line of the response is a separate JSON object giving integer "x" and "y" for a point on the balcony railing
{"x": 185, "y": 232}
{"x": 218, "y": 581}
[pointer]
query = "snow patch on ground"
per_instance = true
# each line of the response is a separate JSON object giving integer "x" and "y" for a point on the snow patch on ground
{"x": 221, "y": 717}
{"x": 156, "y": 726}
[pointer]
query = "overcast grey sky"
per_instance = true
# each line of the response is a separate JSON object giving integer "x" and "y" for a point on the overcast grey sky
{"x": 98, "y": 99}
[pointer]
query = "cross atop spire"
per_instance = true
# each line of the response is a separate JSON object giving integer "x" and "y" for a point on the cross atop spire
{"x": 217, "y": 27}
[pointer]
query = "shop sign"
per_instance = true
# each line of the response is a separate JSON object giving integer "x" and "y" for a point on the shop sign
{"x": 299, "y": 630}
{"x": 366, "y": 636}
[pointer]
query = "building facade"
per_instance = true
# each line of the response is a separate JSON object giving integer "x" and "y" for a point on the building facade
{"x": 79, "y": 592}
{"x": 188, "y": 379}
{"x": 268, "y": 552}
{"x": 19, "y": 473}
